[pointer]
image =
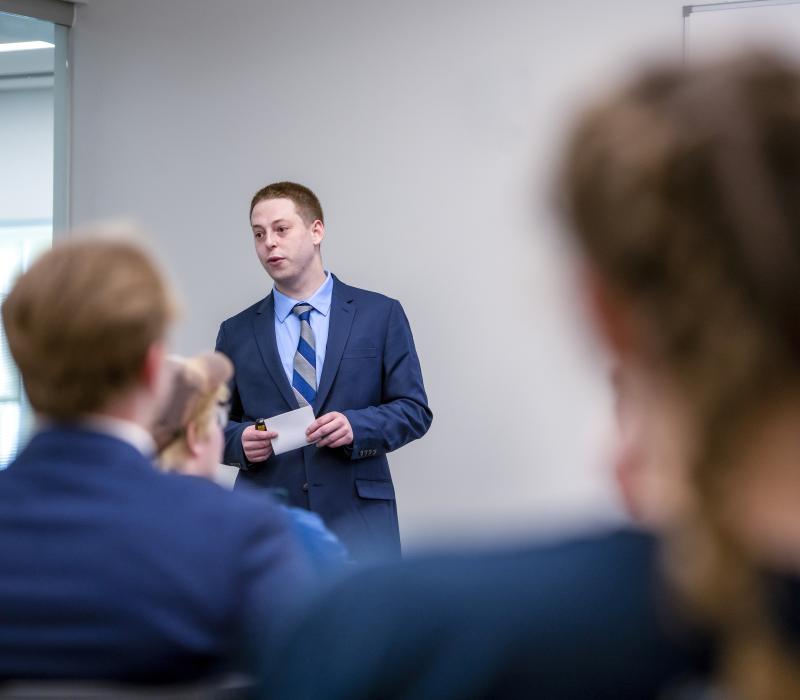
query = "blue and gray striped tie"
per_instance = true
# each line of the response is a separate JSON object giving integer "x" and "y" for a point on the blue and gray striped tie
{"x": 304, "y": 377}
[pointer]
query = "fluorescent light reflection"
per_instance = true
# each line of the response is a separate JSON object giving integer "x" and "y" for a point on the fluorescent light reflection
{"x": 25, "y": 46}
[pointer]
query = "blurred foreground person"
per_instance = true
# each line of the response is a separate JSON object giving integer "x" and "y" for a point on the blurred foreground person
{"x": 189, "y": 439}
{"x": 110, "y": 569}
{"x": 683, "y": 190}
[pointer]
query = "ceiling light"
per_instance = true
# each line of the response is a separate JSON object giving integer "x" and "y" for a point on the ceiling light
{"x": 25, "y": 46}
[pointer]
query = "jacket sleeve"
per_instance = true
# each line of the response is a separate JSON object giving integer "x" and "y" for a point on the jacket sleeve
{"x": 403, "y": 414}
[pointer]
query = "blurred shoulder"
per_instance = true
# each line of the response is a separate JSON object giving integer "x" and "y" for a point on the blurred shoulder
{"x": 514, "y": 619}
{"x": 545, "y": 564}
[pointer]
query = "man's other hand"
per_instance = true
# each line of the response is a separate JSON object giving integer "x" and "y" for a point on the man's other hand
{"x": 331, "y": 430}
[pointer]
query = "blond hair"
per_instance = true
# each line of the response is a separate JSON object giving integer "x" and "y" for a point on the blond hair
{"x": 80, "y": 322}
{"x": 199, "y": 387}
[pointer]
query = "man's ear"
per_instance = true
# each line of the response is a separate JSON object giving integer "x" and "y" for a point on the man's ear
{"x": 611, "y": 317}
{"x": 317, "y": 232}
{"x": 153, "y": 368}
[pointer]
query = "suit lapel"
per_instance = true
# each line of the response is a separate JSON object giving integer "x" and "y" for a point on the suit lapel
{"x": 264, "y": 330}
{"x": 343, "y": 311}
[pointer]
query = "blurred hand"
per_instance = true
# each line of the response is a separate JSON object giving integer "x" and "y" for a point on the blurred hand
{"x": 331, "y": 430}
{"x": 257, "y": 444}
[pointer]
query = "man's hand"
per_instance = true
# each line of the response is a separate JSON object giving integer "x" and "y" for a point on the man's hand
{"x": 257, "y": 444}
{"x": 331, "y": 430}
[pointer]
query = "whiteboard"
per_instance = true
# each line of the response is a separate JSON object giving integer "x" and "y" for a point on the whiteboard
{"x": 722, "y": 27}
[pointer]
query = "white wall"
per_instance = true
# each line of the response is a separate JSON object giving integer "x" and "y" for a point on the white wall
{"x": 428, "y": 129}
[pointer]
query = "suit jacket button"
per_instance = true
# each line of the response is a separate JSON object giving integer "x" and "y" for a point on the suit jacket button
{"x": 305, "y": 487}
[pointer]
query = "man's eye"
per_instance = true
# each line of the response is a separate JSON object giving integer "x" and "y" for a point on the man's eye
{"x": 259, "y": 234}
{"x": 281, "y": 229}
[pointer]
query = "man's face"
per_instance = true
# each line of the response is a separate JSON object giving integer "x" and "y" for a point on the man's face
{"x": 285, "y": 244}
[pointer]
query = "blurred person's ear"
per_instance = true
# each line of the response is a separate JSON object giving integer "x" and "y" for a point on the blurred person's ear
{"x": 637, "y": 483}
{"x": 631, "y": 467}
{"x": 153, "y": 372}
{"x": 609, "y": 315}
{"x": 193, "y": 440}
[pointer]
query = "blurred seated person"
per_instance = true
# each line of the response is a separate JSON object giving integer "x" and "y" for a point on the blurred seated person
{"x": 189, "y": 440}
{"x": 112, "y": 570}
{"x": 683, "y": 191}
{"x": 186, "y": 428}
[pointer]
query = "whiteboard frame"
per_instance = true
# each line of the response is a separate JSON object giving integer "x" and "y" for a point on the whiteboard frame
{"x": 689, "y": 10}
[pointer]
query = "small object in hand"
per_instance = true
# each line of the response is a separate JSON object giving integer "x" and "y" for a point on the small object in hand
{"x": 261, "y": 424}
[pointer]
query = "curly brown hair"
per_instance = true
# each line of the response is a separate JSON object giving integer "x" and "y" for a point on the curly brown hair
{"x": 683, "y": 189}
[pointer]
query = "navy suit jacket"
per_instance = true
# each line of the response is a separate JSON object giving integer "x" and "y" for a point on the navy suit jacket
{"x": 590, "y": 619}
{"x": 371, "y": 375}
{"x": 112, "y": 570}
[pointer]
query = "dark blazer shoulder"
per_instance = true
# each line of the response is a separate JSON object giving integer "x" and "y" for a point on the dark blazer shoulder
{"x": 349, "y": 293}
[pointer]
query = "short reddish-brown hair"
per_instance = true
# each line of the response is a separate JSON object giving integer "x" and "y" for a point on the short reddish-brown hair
{"x": 305, "y": 201}
{"x": 80, "y": 322}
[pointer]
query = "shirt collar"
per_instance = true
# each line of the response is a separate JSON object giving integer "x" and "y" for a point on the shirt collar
{"x": 127, "y": 431}
{"x": 320, "y": 300}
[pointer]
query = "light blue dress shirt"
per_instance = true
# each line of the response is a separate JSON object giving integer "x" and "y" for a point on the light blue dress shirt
{"x": 287, "y": 325}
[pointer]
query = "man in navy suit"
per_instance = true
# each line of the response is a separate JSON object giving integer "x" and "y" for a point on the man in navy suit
{"x": 110, "y": 569}
{"x": 346, "y": 352}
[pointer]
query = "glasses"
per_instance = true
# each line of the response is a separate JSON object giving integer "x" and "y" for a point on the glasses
{"x": 222, "y": 411}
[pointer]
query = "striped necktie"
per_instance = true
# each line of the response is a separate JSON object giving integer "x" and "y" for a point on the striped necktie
{"x": 304, "y": 377}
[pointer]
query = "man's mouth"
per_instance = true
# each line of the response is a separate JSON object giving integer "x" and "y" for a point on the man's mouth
{"x": 273, "y": 259}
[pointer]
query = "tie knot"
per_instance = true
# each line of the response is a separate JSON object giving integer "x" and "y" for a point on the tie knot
{"x": 302, "y": 310}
